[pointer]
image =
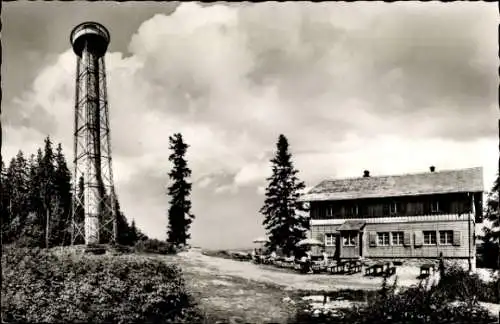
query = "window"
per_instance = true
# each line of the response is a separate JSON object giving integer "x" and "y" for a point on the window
{"x": 329, "y": 239}
{"x": 445, "y": 237}
{"x": 329, "y": 211}
{"x": 392, "y": 208}
{"x": 349, "y": 239}
{"x": 383, "y": 238}
{"x": 434, "y": 206}
{"x": 397, "y": 238}
{"x": 429, "y": 237}
{"x": 351, "y": 211}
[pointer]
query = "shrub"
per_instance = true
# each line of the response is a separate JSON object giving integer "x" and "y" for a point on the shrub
{"x": 217, "y": 253}
{"x": 412, "y": 305}
{"x": 154, "y": 246}
{"x": 40, "y": 286}
{"x": 458, "y": 284}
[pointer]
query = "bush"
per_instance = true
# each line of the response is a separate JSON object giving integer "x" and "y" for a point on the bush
{"x": 217, "y": 253}
{"x": 412, "y": 305}
{"x": 154, "y": 246}
{"x": 40, "y": 286}
{"x": 458, "y": 284}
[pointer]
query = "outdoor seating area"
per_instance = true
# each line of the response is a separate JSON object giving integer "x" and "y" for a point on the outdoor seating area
{"x": 425, "y": 269}
{"x": 386, "y": 269}
{"x": 346, "y": 267}
{"x": 317, "y": 266}
{"x": 320, "y": 263}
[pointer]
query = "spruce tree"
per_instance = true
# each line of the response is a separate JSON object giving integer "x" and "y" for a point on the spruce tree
{"x": 124, "y": 235}
{"x": 133, "y": 234}
{"x": 60, "y": 234}
{"x": 179, "y": 213}
{"x": 33, "y": 232}
{"x": 4, "y": 200}
{"x": 284, "y": 223}
{"x": 492, "y": 235}
{"x": 18, "y": 191}
{"x": 47, "y": 192}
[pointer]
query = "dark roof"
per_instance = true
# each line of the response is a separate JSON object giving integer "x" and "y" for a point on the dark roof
{"x": 448, "y": 181}
{"x": 351, "y": 225}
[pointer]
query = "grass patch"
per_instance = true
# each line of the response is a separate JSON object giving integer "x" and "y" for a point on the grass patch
{"x": 64, "y": 286}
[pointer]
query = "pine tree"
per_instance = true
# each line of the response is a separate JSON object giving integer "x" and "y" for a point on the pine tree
{"x": 133, "y": 234}
{"x": 492, "y": 235}
{"x": 61, "y": 222}
{"x": 32, "y": 233}
{"x": 179, "y": 213}
{"x": 4, "y": 200}
{"x": 17, "y": 189}
{"x": 282, "y": 218}
{"x": 47, "y": 186}
{"x": 123, "y": 228}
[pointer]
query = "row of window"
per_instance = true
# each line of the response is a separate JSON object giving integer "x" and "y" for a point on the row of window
{"x": 393, "y": 238}
{"x": 435, "y": 207}
{"x": 385, "y": 238}
{"x": 430, "y": 238}
{"x": 445, "y": 237}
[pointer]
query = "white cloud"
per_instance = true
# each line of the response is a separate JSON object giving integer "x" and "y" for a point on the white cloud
{"x": 226, "y": 189}
{"x": 345, "y": 83}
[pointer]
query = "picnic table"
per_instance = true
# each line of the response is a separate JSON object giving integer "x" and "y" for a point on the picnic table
{"x": 425, "y": 269}
{"x": 380, "y": 269}
{"x": 347, "y": 266}
{"x": 318, "y": 266}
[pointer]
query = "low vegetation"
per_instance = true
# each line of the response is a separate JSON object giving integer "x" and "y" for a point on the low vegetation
{"x": 416, "y": 304}
{"x": 154, "y": 246}
{"x": 458, "y": 284}
{"x": 42, "y": 286}
{"x": 238, "y": 256}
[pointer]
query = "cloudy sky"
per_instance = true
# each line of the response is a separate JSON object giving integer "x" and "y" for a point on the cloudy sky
{"x": 392, "y": 88}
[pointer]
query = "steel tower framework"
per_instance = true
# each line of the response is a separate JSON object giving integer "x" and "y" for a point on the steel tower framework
{"x": 93, "y": 208}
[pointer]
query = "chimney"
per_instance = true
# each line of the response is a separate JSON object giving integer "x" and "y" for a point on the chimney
{"x": 366, "y": 174}
{"x": 432, "y": 168}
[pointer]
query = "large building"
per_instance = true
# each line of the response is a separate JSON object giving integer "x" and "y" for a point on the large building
{"x": 400, "y": 216}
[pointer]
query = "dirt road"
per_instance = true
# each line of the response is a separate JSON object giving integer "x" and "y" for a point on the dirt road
{"x": 243, "y": 292}
{"x": 289, "y": 280}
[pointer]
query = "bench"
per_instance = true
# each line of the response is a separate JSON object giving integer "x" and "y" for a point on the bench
{"x": 425, "y": 269}
{"x": 380, "y": 269}
{"x": 318, "y": 267}
{"x": 346, "y": 267}
{"x": 354, "y": 267}
{"x": 375, "y": 270}
{"x": 337, "y": 268}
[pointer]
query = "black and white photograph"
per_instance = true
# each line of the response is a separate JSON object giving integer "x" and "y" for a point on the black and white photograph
{"x": 239, "y": 162}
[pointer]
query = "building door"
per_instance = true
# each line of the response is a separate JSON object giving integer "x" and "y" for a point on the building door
{"x": 360, "y": 243}
{"x": 338, "y": 239}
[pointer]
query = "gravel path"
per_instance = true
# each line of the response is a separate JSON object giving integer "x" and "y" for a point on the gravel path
{"x": 247, "y": 292}
{"x": 293, "y": 281}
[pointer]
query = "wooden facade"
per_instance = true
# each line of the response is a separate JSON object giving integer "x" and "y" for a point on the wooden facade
{"x": 427, "y": 218}
{"x": 406, "y": 206}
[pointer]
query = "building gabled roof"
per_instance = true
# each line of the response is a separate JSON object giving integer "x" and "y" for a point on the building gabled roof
{"x": 446, "y": 181}
{"x": 351, "y": 225}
